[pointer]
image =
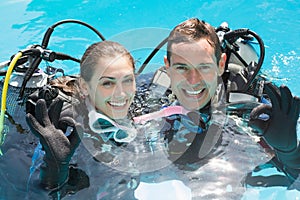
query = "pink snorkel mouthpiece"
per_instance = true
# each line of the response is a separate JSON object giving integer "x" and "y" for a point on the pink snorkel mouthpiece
{"x": 165, "y": 112}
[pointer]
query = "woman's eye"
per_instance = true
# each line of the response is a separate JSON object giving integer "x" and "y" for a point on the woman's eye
{"x": 128, "y": 81}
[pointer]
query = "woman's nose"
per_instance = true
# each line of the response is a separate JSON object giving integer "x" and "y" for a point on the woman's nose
{"x": 119, "y": 90}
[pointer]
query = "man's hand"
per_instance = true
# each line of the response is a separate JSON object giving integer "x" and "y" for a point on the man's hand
{"x": 277, "y": 123}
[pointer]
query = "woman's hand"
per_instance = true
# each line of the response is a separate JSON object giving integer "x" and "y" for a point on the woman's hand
{"x": 49, "y": 127}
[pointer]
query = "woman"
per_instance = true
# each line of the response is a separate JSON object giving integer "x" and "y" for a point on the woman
{"x": 107, "y": 78}
{"x": 107, "y": 88}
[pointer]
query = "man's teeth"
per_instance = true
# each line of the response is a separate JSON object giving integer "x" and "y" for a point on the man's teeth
{"x": 194, "y": 92}
{"x": 117, "y": 103}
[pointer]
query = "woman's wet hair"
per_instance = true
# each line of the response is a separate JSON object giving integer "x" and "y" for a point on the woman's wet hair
{"x": 192, "y": 30}
{"x": 97, "y": 51}
{"x": 68, "y": 84}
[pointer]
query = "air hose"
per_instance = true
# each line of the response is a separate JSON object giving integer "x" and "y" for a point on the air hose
{"x": 145, "y": 63}
{"x": 4, "y": 94}
{"x": 58, "y": 56}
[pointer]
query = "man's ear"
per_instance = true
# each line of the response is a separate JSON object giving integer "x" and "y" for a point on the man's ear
{"x": 167, "y": 64}
{"x": 222, "y": 62}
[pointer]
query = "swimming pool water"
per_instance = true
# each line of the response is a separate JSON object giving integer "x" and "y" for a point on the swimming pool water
{"x": 24, "y": 22}
{"x": 143, "y": 24}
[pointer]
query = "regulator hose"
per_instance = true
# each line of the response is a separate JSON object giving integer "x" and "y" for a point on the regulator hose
{"x": 58, "y": 56}
{"x": 4, "y": 95}
{"x": 51, "y": 29}
{"x": 145, "y": 63}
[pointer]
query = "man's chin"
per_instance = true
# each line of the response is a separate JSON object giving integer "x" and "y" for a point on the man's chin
{"x": 192, "y": 104}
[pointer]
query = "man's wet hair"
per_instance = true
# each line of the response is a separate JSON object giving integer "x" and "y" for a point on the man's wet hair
{"x": 192, "y": 30}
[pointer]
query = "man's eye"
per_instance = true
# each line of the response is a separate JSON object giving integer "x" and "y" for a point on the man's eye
{"x": 107, "y": 84}
{"x": 180, "y": 68}
{"x": 205, "y": 68}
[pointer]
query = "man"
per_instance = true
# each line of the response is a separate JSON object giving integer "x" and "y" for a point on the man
{"x": 195, "y": 64}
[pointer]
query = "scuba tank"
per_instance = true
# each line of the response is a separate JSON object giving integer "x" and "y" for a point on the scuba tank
{"x": 243, "y": 61}
{"x": 23, "y": 76}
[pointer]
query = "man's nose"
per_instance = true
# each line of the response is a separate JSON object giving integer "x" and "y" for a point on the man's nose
{"x": 194, "y": 76}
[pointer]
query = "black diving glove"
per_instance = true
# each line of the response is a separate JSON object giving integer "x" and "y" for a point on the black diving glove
{"x": 49, "y": 127}
{"x": 279, "y": 129}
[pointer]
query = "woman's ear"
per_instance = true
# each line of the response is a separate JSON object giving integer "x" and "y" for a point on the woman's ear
{"x": 84, "y": 87}
{"x": 222, "y": 63}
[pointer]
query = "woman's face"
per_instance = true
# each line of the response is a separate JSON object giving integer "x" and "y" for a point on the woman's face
{"x": 112, "y": 86}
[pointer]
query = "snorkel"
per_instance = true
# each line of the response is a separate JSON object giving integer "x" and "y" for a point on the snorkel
{"x": 165, "y": 112}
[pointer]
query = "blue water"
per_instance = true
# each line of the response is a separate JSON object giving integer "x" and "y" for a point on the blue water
{"x": 24, "y": 22}
{"x": 141, "y": 25}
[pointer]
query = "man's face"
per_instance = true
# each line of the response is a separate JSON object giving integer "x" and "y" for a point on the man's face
{"x": 194, "y": 72}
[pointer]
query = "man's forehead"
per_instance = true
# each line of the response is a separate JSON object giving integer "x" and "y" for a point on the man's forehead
{"x": 193, "y": 53}
{"x": 203, "y": 42}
